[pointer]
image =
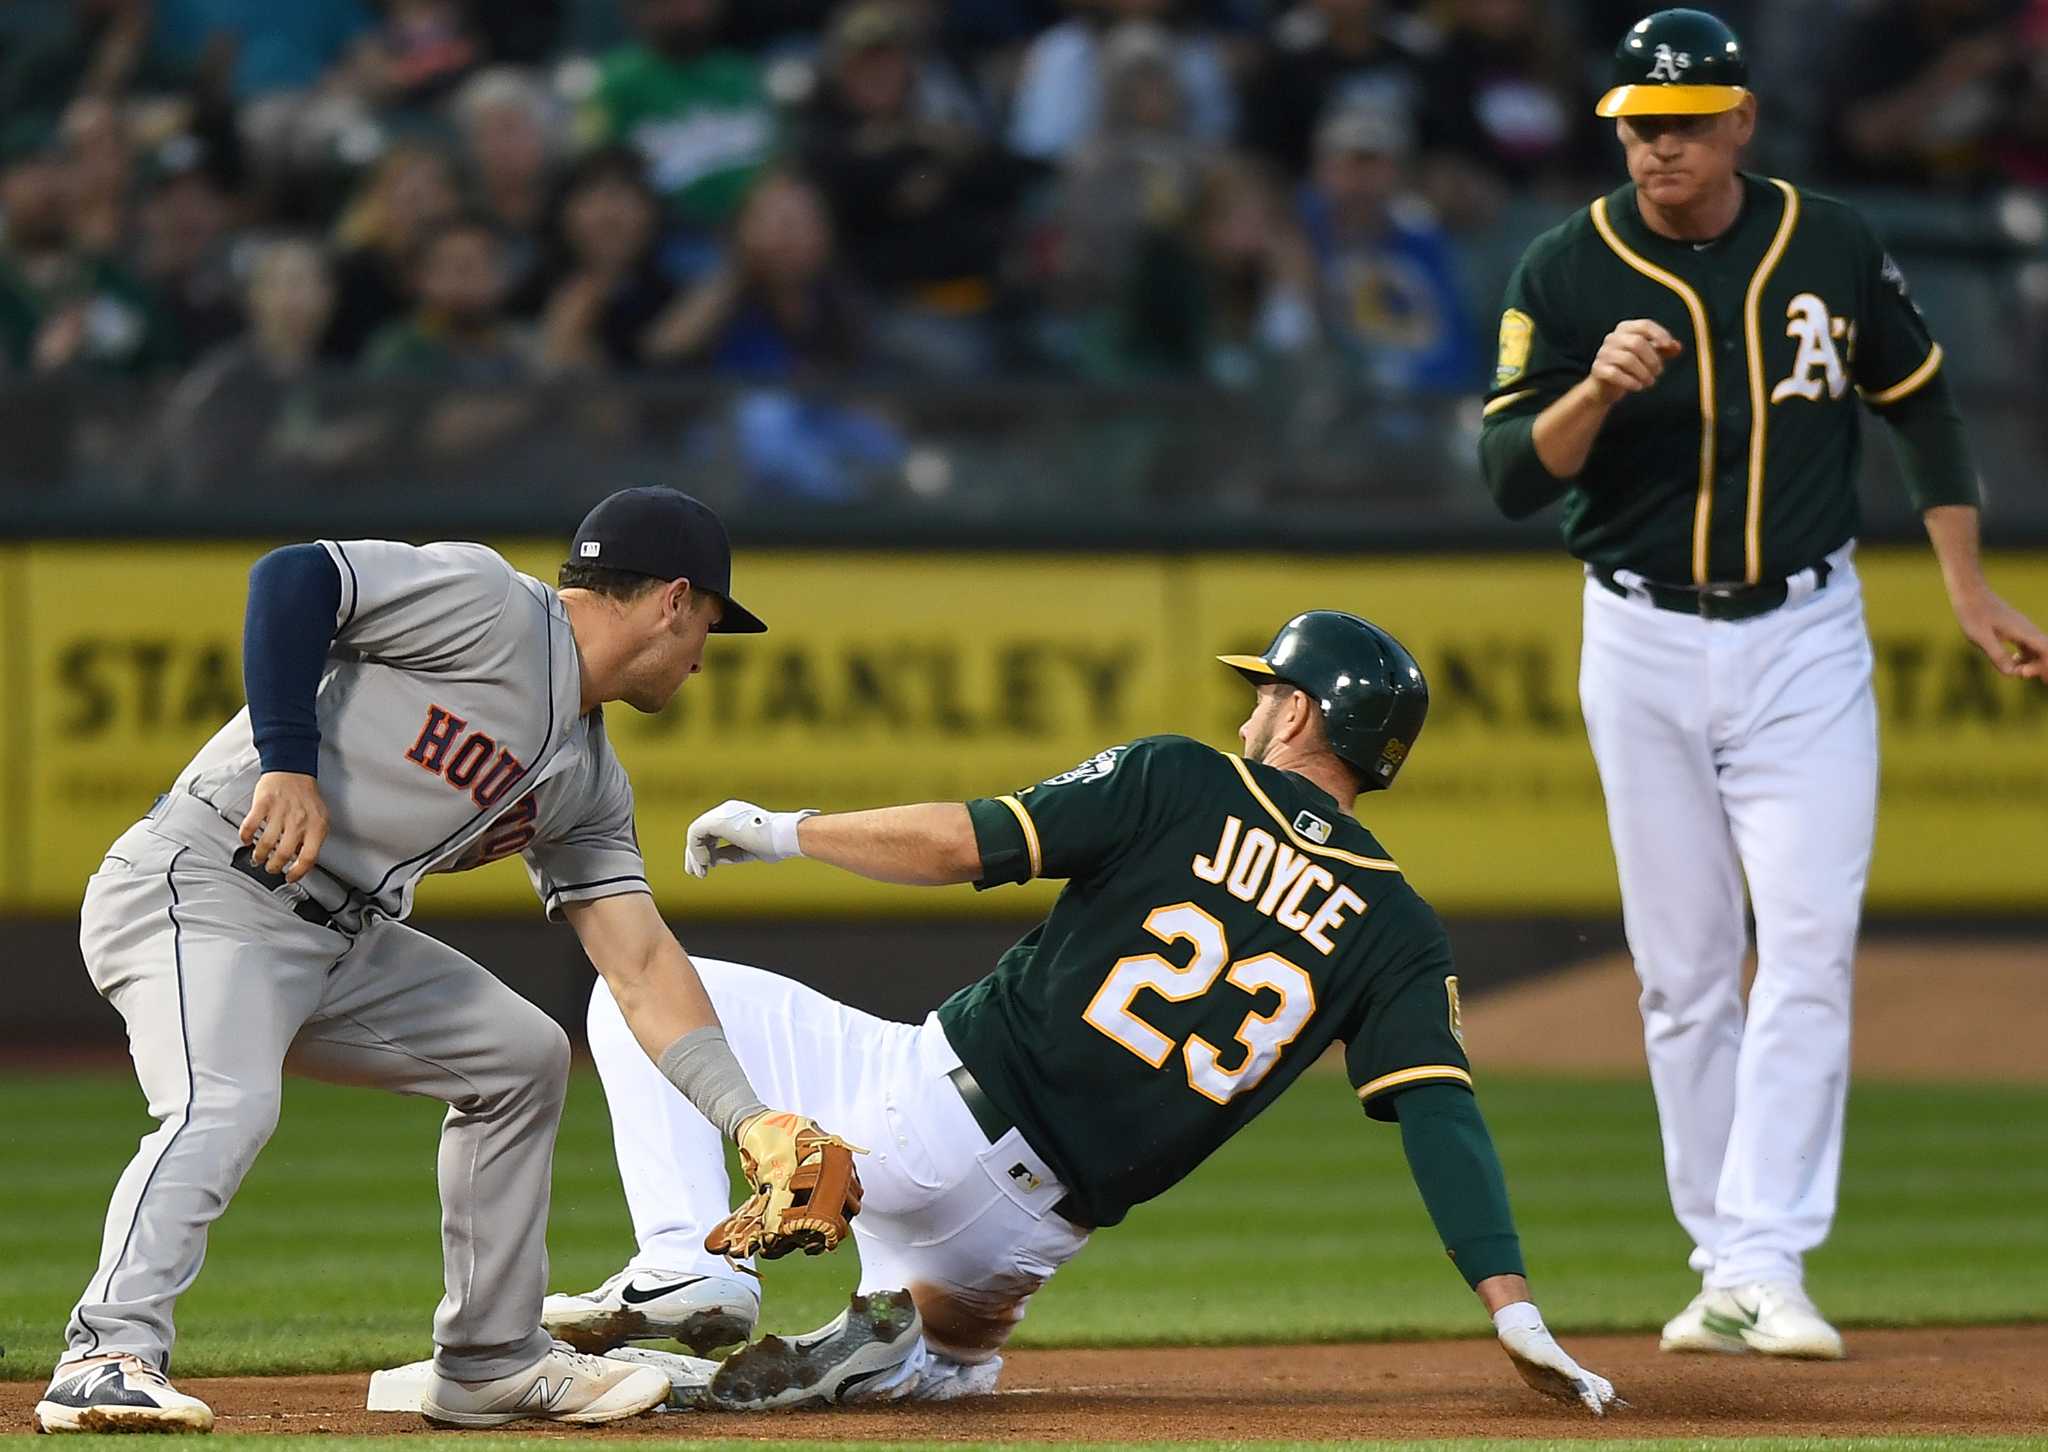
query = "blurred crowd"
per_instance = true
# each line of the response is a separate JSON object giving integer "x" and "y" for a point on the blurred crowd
{"x": 232, "y": 195}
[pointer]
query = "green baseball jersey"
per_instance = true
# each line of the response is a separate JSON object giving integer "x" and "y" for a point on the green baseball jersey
{"x": 704, "y": 124}
{"x": 1222, "y": 925}
{"x": 1740, "y": 464}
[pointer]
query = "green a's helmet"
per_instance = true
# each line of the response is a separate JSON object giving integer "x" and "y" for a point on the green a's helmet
{"x": 1368, "y": 687}
{"x": 1677, "y": 63}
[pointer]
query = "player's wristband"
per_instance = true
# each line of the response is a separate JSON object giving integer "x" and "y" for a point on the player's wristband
{"x": 702, "y": 1066}
{"x": 1517, "y": 1316}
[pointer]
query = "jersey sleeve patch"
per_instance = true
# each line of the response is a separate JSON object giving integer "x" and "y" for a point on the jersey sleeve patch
{"x": 1517, "y": 337}
{"x": 1100, "y": 765}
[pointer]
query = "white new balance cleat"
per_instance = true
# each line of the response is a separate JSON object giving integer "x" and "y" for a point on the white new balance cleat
{"x": 563, "y": 1386}
{"x": 1689, "y": 1331}
{"x": 704, "y": 1312}
{"x": 1776, "y": 1318}
{"x": 868, "y": 1353}
{"x": 117, "y": 1393}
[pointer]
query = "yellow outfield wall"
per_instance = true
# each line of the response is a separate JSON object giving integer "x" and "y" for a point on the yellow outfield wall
{"x": 895, "y": 677}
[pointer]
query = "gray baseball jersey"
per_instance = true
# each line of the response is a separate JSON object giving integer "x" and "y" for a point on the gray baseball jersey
{"x": 450, "y": 736}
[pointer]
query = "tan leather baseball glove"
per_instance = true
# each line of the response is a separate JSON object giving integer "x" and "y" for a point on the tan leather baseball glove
{"x": 805, "y": 1191}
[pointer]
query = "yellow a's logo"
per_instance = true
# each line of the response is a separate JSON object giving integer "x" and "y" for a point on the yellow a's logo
{"x": 1457, "y": 1015}
{"x": 1817, "y": 367}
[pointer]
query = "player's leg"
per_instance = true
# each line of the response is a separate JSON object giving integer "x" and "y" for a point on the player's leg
{"x": 972, "y": 1244}
{"x": 1801, "y": 786}
{"x": 407, "y": 1013}
{"x": 802, "y": 1051}
{"x": 212, "y": 978}
{"x": 410, "y": 1014}
{"x": 1646, "y": 684}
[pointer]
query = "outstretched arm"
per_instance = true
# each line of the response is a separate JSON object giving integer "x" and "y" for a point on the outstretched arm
{"x": 1455, "y": 1166}
{"x": 929, "y": 844}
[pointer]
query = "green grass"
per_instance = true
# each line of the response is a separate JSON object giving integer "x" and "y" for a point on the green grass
{"x": 472, "y": 1442}
{"x": 1306, "y": 1227}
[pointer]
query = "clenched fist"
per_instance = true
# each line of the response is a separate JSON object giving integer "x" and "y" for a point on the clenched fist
{"x": 1632, "y": 358}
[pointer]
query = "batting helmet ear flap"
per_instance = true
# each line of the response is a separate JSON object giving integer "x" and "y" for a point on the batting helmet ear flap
{"x": 1370, "y": 691}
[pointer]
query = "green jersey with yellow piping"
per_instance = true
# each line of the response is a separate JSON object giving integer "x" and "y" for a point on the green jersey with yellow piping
{"x": 1739, "y": 465}
{"x": 1223, "y": 924}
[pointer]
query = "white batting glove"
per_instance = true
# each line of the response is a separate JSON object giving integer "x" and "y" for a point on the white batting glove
{"x": 1544, "y": 1364}
{"x": 739, "y": 831}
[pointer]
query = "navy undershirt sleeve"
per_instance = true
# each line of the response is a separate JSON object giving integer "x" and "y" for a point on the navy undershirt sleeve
{"x": 294, "y": 597}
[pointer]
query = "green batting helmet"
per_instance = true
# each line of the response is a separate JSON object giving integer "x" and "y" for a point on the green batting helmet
{"x": 1370, "y": 690}
{"x": 1677, "y": 63}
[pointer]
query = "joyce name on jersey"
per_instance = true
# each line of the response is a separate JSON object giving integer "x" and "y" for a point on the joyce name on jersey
{"x": 1222, "y": 925}
{"x": 1740, "y": 464}
{"x": 451, "y": 734}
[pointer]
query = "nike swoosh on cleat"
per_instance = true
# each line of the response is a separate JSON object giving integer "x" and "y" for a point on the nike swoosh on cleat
{"x": 1725, "y": 1325}
{"x": 633, "y": 1296}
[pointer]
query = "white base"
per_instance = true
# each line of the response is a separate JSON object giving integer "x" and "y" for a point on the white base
{"x": 403, "y": 1388}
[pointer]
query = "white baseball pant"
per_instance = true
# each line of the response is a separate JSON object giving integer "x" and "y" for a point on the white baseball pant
{"x": 1733, "y": 750}
{"x": 941, "y": 1215}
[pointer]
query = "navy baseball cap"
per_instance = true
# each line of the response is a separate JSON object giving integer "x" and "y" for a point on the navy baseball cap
{"x": 667, "y": 535}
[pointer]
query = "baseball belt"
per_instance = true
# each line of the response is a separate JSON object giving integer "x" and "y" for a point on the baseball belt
{"x": 995, "y": 1124}
{"x": 305, "y": 908}
{"x": 1715, "y": 602}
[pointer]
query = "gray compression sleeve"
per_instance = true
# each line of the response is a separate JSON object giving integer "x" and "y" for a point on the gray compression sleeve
{"x": 701, "y": 1064}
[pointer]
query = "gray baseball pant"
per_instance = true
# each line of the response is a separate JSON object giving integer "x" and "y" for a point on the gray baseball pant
{"x": 218, "y": 982}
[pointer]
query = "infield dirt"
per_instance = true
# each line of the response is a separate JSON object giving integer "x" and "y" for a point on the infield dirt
{"x": 1985, "y": 1380}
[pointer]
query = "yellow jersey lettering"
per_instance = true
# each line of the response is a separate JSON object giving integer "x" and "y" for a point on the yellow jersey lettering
{"x": 1292, "y": 916}
{"x": 1254, "y": 856}
{"x": 1330, "y": 916}
{"x": 1216, "y": 865}
{"x": 1289, "y": 865}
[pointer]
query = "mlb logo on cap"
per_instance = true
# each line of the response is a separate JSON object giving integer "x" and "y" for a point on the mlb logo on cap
{"x": 590, "y": 549}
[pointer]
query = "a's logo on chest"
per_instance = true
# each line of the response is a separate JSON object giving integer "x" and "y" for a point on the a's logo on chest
{"x": 472, "y": 762}
{"x": 1817, "y": 366}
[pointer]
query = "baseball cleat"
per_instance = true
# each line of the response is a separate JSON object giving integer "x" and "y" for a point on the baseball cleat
{"x": 862, "y": 1355}
{"x": 563, "y": 1386}
{"x": 1689, "y": 1331}
{"x": 704, "y": 1312}
{"x": 117, "y": 1393}
{"x": 1776, "y": 1318}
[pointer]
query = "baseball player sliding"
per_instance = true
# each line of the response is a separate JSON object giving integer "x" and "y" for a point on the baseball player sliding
{"x": 1225, "y": 920}
{"x": 1681, "y": 364}
{"x": 411, "y": 710}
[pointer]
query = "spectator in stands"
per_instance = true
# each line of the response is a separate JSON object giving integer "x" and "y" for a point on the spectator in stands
{"x": 411, "y": 191}
{"x": 777, "y": 308}
{"x": 512, "y": 137}
{"x": 250, "y": 415}
{"x": 420, "y": 53}
{"x": 281, "y": 65}
{"x": 1391, "y": 304}
{"x": 602, "y": 286}
{"x": 1229, "y": 297}
{"x": 457, "y": 332}
{"x": 919, "y": 202}
{"x": 1326, "y": 56}
{"x": 695, "y": 110}
{"x": 1925, "y": 90}
{"x": 95, "y": 48}
{"x": 185, "y": 249}
{"x": 1502, "y": 106}
{"x": 1058, "y": 102}
{"x": 63, "y": 307}
{"x": 1141, "y": 170}
{"x": 99, "y": 161}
